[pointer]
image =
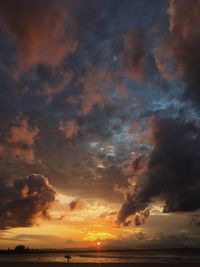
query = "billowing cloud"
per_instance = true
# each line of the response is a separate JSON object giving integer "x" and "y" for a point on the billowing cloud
{"x": 25, "y": 201}
{"x": 42, "y": 30}
{"x": 18, "y": 141}
{"x": 134, "y": 58}
{"x": 172, "y": 171}
{"x": 141, "y": 217}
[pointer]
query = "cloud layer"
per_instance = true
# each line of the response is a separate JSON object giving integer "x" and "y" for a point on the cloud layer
{"x": 172, "y": 171}
{"x": 91, "y": 96}
{"x": 25, "y": 201}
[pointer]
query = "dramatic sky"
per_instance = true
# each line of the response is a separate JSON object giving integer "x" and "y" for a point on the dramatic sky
{"x": 100, "y": 123}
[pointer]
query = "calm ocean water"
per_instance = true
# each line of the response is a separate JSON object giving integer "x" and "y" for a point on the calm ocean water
{"x": 133, "y": 257}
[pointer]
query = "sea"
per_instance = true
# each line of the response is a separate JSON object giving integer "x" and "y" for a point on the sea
{"x": 108, "y": 256}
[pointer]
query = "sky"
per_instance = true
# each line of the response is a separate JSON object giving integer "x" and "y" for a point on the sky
{"x": 100, "y": 123}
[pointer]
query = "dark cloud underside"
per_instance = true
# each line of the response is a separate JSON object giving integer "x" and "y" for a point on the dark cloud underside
{"x": 25, "y": 201}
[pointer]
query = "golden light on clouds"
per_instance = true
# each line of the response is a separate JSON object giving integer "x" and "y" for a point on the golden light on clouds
{"x": 92, "y": 236}
{"x": 69, "y": 228}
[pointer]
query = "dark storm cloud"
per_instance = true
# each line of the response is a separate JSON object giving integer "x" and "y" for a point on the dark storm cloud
{"x": 141, "y": 217}
{"x": 172, "y": 170}
{"x": 25, "y": 201}
{"x": 183, "y": 45}
{"x": 42, "y": 30}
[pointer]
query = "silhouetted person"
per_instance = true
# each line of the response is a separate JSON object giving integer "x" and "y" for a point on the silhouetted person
{"x": 67, "y": 257}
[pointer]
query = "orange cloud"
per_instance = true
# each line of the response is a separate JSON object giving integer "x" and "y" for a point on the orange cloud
{"x": 19, "y": 140}
{"x": 108, "y": 214}
{"x": 42, "y": 30}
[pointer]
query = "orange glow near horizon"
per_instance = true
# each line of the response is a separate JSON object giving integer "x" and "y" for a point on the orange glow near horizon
{"x": 83, "y": 228}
